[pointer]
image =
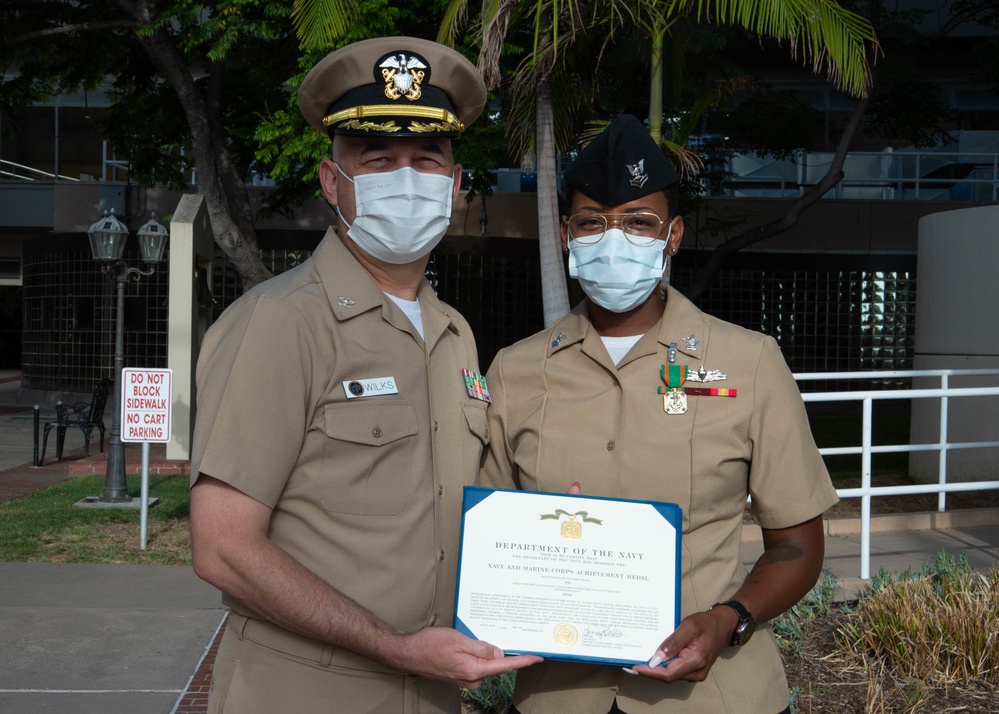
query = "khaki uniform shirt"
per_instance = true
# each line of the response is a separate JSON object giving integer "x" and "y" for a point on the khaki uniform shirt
{"x": 366, "y": 492}
{"x": 563, "y": 412}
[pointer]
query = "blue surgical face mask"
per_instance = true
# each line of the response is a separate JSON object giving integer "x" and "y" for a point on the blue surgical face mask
{"x": 614, "y": 272}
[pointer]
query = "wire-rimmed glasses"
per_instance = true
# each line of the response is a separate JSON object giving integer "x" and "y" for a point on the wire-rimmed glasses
{"x": 641, "y": 228}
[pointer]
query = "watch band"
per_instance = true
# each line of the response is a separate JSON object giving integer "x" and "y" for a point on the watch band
{"x": 745, "y": 627}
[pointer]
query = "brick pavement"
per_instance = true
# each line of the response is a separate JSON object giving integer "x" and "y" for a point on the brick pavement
{"x": 23, "y": 479}
{"x": 195, "y": 699}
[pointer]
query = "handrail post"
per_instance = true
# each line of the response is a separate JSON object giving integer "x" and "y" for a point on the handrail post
{"x": 995, "y": 175}
{"x": 35, "y": 424}
{"x": 865, "y": 500}
{"x": 944, "y": 443}
{"x": 919, "y": 157}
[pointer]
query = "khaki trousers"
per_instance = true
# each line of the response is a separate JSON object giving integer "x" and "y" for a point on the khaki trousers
{"x": 263, "y": 669}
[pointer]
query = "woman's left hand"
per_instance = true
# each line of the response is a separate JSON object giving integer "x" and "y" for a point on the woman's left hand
{"x": 693, "y": 647}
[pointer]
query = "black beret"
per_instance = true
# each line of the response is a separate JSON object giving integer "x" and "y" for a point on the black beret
{"x": 393, "y": 86}
{"x": 621, "y": 165}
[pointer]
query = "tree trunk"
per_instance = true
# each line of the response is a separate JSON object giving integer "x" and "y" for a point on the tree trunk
{"x": 219, "y": 181}
{"x": 656, "y": 86}
{"x": 554, "y": 291}
{"x": 755, "y": 235}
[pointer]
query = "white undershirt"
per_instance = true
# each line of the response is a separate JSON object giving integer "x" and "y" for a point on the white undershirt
{"x": 411, "y": 308}
{"x": 618, "y": 347}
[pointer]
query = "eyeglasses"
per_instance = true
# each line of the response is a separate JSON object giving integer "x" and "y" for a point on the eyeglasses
{"x": 639, "y": 228}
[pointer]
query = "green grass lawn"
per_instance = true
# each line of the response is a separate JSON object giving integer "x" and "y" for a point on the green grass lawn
{"x": 44, "y": 526}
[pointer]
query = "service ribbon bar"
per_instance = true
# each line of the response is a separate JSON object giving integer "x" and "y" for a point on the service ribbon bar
{"x": 710, "y": 391}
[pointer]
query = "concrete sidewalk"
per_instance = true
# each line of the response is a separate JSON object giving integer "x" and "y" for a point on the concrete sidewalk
{"x": 103, "y": 639}
{"x": 137, "y": 639}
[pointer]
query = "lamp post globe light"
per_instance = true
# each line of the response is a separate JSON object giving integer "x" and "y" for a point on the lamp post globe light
{"x": 107, "y": 243}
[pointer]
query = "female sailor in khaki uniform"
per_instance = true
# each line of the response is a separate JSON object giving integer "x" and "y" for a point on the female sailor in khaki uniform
{"x": 638, "y": 394}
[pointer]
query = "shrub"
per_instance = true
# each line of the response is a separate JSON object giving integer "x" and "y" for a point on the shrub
{"x": 493, "y": 696}
{"x": 940, "y": 624}
{"x": 789, "y": 627}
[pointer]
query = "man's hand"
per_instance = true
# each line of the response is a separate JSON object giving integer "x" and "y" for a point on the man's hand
{"x": 446, "y": 655}
{"x": 695, "y": 644}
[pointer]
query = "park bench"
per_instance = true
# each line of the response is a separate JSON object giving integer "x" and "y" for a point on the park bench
{"x": 85, "y": 416}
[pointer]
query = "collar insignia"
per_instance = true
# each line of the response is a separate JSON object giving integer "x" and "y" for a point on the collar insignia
{"x": 558, "y": 339}
{"x": 638, "y": 175}
{"x": 344, "y": 302}
{"x": 691, "y": 343}
{"x": 403, "y": 75}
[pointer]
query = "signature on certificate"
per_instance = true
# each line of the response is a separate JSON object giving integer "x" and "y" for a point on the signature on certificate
{"x": 599, "y": 633}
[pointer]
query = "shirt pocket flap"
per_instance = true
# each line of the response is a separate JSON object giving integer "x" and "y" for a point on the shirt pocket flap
{"x": 371, "y": 424}
{"x": 476, "y": 418}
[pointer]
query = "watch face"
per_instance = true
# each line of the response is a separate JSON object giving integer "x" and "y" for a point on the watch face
{"x": 743, "y": 631}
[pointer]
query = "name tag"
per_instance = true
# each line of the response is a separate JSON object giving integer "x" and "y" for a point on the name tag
{"x": 374, "y": 387}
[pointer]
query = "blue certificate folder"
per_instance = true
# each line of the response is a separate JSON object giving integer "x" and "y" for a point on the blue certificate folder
{"x": 572, "y": 578}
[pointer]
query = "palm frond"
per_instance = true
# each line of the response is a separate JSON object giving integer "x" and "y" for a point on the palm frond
{"x": 454, "y": 20}
{"x": 828, "y": 36}
{"x": 320, "y": 23}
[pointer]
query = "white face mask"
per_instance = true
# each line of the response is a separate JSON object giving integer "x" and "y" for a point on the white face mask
{"x": 614, "y": 272}
{"x": 400, "y": 215}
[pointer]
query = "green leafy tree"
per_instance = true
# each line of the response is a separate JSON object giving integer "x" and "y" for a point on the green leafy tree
{"x": 188, "y": 79}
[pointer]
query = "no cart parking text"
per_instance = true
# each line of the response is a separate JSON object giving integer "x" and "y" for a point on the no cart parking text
{"x": 146, "y": 398}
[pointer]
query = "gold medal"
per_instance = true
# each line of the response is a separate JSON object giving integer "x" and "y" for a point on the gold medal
{"x": 675, "y": 402}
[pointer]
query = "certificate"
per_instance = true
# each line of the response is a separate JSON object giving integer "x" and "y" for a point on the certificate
{"x": 574, "y": 578}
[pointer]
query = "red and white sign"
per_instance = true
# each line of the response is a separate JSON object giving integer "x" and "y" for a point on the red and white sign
{"x": 146, "y": 398}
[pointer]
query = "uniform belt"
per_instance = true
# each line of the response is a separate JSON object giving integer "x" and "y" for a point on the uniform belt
{"x": 277, "y": 638}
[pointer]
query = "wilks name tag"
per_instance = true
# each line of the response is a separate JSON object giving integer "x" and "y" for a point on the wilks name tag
{"x": 373, "y": 387}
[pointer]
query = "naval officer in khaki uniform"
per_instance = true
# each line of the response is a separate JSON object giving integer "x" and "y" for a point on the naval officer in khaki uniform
{"x": 338, "y": 419}
{"x": 638, "y": 394}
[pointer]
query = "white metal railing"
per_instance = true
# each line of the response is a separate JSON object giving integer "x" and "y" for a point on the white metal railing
{"x": 907, "y": 174}
{"x": 10, "y": 169}
{"x": 867, "y": 449}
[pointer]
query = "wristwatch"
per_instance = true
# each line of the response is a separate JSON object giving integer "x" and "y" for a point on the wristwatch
{"x": 744, "y": 628}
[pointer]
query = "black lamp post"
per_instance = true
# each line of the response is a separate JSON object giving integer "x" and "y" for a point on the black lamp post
{"x": 107, "y": 243}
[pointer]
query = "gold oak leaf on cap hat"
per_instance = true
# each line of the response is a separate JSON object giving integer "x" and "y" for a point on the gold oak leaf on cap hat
{"x": 622, "y": 164}
{"x": 392, "y": 86}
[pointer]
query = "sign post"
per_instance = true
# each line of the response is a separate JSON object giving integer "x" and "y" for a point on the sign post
{"x": 146, "y": 399}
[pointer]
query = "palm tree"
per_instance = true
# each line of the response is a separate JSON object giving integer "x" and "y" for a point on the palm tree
{"x": 824, "y": 33}
{"x": 556, "y": 27}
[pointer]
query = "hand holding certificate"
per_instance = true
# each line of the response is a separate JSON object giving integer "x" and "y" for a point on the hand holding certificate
{"x": 569, "y": 577}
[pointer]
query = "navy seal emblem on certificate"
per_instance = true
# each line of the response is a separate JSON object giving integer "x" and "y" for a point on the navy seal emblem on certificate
{"x": 574, "y": 578}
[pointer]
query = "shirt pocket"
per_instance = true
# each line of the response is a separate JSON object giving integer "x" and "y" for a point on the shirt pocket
{"x": 368, "y": 458}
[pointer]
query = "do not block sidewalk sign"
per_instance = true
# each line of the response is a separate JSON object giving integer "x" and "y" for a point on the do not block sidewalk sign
{"x": 146, "y": 399}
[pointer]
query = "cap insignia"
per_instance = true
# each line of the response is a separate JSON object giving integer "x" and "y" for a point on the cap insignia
{"x": 403, "y": 75}
{"x": 638, "y": 175}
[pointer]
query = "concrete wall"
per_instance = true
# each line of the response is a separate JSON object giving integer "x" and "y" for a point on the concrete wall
{"x": 833, "y": 225}
{"x": 957, "y": 316}
{"x": 77, "y": 205}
